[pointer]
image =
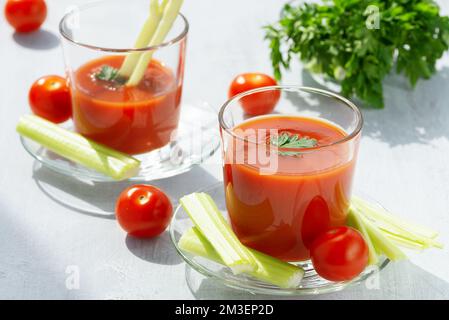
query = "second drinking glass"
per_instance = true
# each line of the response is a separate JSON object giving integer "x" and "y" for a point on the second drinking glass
{"x": 133, "y": 119}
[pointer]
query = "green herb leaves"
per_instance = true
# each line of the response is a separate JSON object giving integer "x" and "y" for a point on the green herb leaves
{"x": 108, "y": 73}
{"x": 334, "y": 38}
{"x": 292, "y": 141}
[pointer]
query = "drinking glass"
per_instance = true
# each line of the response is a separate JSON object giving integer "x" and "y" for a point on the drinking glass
{"x": 134, "y": 120}
{"x": 279, "y": 199}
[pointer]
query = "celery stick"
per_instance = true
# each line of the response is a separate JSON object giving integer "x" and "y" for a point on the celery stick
{"x": 194, "y": 242}
{"x": 144, "y": 37}
{"x": 380, "y": 241}
{"x": 395, "y": 226}
{"x": 355, "y": 221}
{"x": 169, "y": 16}
{"x": 209, "y": 220}
{"x": 410, "y": 237}
{"x": 404, "y": 242}
{"x": 75, "y": 147}
{"x": 79, "y": 138}
{"x": 380, "y": 215}
{"x": 271, "y": 270}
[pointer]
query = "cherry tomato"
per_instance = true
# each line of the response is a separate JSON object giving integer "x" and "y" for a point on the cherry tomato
{"x": 25, "y": 15}
{"x": 49, "y": 98}
{"x": 143, "y": 211}
{"x": 257, "y": 103}
{"x": 339, "y": 254}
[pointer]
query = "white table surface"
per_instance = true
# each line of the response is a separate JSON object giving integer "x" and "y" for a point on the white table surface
{"x": 404, "y": 163}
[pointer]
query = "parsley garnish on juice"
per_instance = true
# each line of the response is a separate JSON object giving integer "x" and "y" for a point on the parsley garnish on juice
{"x": 108, "y": 73}
{"x": 358, "y": 43}
{"x": 292, "y": 141}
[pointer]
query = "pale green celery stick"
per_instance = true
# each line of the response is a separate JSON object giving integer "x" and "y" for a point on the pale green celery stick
{"x": 144, "y": 37}
{"x": 79, "y": 138}
{"x": 163, "y": 5}
{"x": 380, "y": 241}
{"x": 411, "y": 237}
{"x": 380, "y": 214}
{"x": 75, "y": 147}
{"x": 356, "y": 222}
{"x": 404, "y": 242}
{"x": 388, "y": 223}
{"x": 168, "y": 18}
{"x": 271, "y": 270}
{"x": 209, "y": 220}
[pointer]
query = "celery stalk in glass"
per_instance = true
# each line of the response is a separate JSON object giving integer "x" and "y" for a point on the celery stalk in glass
{"x": 144, "y": 37}
{"x": 168, "y": 18}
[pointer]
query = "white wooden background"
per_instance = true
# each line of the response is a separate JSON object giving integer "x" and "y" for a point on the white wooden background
{"x": 404, "y": 163}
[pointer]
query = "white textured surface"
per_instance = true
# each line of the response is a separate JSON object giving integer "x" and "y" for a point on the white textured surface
{"x": 404, "y": 163}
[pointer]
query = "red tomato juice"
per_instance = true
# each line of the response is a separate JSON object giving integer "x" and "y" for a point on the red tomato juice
{"x": 281, "y": 213}
{"x": 134, "y": 119}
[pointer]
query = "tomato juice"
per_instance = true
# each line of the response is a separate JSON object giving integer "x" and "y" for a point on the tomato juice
{"x": 134, "y": 119}
{"x": 281, "y": 213}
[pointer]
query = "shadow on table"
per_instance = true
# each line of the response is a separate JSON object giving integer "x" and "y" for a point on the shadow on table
{"x": 401, "y": 280}
{"x": 410, "y": 116}
{"x": 25, "y": 260}
{"x": 38, "y": 40}
{"x": 98, "y": 198}
{"x": 158, "y": 250}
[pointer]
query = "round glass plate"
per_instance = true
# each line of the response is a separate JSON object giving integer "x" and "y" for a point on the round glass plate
{"x": 195, "y": 142}
{"x": 311, "y": 284}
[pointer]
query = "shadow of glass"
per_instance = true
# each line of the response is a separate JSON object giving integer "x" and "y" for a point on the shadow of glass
{"x": 402, "y": 280}
{"x": 38, "y": 40}
{"x": 98, "y": 198}
{"x": 158, "y": 250}
{"x": 410, "y": 116}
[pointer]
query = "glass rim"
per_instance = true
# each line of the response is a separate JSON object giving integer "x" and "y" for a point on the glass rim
{"x": 347, "y": 102}
{"x": 182, "y": 35}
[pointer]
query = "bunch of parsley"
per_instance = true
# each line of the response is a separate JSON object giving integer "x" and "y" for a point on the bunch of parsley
{"x": 358, "y": 42}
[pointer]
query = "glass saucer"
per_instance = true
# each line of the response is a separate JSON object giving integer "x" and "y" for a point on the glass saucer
{"x": 197, "y": 140}
{"x": 311, "y": 284}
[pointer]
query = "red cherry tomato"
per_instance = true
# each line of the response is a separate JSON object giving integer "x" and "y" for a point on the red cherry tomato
{"x": 143, "y": 211}
{"x": 257, "y": 103}
{"x": 339, "y": 254}
{"x": 25, "y": 15}
{"x": 49, "y": 98}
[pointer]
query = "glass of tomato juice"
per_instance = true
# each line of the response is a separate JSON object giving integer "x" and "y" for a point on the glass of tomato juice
{"x": 280, "y": 196}
{"x": 133, "y": 119}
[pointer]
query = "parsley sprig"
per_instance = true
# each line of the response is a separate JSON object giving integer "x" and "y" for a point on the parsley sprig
{"x": 292, "y": 141}
{"x": 332, "y": 38}
{"x": 108, "y": 73}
